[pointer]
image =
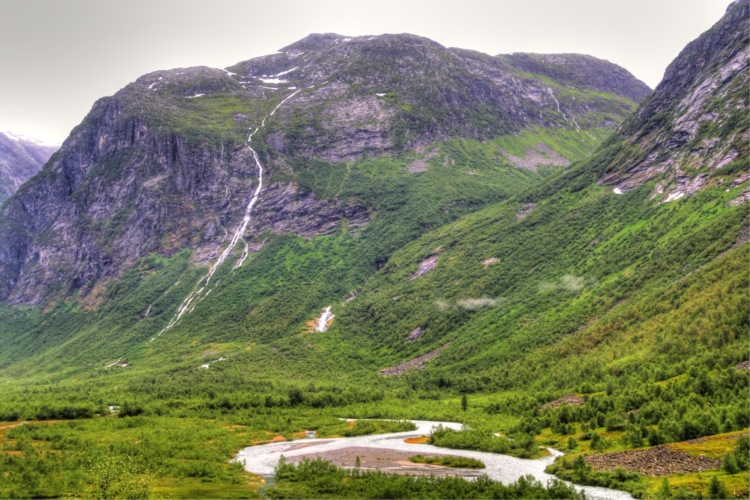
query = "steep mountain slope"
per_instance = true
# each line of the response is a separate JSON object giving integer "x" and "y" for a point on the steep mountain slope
{"x": 572, "y": 246}
{"x": 20, "y": 158}
{"x": 163, "y": 165}
{"x": 574, "y": 286}
{"x": 695, "y": 125}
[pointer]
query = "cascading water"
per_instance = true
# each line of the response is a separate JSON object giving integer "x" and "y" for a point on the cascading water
{"x": 572, "y": 120}
{"x": 325, "y": 320}
{"x": 199, "y": 290}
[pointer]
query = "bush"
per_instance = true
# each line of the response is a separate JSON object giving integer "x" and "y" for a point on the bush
{"x": 615, "y": 423}
{"x": 572, "y": 443}
{"x": 449, "y": 461}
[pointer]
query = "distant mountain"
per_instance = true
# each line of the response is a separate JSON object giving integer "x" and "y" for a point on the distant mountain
{"x": 20, "y": 158}
{"x": 162, "y": 165}
{"x": 395, "y": 92}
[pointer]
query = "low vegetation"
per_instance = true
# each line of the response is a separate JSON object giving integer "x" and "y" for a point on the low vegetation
{"x": 519, "y": 445}
{"x": 319, "y": 479}
{"x": 449, "y": 461}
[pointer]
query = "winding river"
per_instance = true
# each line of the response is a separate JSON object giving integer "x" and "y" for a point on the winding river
{"x": 262, "y": 459}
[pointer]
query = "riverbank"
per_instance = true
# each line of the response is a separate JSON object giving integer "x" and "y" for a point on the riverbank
{"x": 390, "y": 448}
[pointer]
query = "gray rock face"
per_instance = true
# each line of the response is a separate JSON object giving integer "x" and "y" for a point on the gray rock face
{"x": 162, "y": 165}
{"x": 120, "y": 190}
{"x": 20, "y": 159}
{"x": 695, "y": 122}
{"x": 397, "y": 92}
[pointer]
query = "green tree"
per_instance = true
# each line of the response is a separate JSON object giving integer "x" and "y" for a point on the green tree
{"x": 664, "y": 490}
{"x": 572, "y": 443}
{"x": 742, "y": 452}
{"x": 464, "y": 402}
{"x": 729, "y": 463}
{"x": 716, "y": 489}
{"x": 596, "y": 441}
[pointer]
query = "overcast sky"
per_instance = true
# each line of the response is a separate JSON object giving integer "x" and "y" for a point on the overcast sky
{"x": 59, "y": 56}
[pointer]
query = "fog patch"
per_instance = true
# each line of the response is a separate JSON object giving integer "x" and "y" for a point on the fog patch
{"x": 470, "y": 303}
{"x": 568, "y": 282}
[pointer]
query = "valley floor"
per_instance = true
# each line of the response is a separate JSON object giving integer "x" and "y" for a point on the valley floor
{"x": 191, "y": 457}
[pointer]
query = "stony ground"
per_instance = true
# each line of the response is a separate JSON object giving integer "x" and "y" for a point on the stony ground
{"x": 413, "y": 364}
{"x": 385, "y": 460}
{"x": 569, "y": 399}
{"x": 658, "y": 461}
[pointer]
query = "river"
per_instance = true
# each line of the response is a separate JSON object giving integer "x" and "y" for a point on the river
{"x": 262, "y": 459}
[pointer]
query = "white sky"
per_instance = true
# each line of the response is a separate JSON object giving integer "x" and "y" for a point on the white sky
{"x": 59, "y": 56}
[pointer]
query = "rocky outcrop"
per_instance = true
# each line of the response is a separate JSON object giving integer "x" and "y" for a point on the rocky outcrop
{"x": 525, "y": 210}
{"x": 284, "y": 208}
{"x": 535, "y": 157}
{"x": 568, "y": 399}
{"x": 695, "y": 122}
{"x": 20, "y": 158}
{"x": 490, "y": 262}
{"x": 418, "y": 363}
{"x": 425, "y": 266}
{"x": 415, "y": 334}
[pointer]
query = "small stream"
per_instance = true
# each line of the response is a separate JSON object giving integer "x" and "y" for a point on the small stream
{"x": 262, "y": 459}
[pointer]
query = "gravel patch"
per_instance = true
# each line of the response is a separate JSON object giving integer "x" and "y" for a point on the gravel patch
{"x": 658, "y": 461}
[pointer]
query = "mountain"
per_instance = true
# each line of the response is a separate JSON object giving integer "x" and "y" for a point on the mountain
{"x": 20, "y": 158}
{"x": 162, "y": 165}
{"x": 580, "y": 70}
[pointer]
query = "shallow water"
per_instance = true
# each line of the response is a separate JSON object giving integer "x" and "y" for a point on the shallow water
{"x": 262, "y": 459}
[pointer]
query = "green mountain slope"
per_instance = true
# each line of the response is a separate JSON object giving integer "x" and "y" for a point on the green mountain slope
{"x": 575, "y": 287}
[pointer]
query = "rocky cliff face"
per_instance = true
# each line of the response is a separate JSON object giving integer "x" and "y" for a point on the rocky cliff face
{"x": 396, "y": 92}
{"x": 20, "y": 159}
{"x": 163, "y": 165}
{"x": 694, "y": 129}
